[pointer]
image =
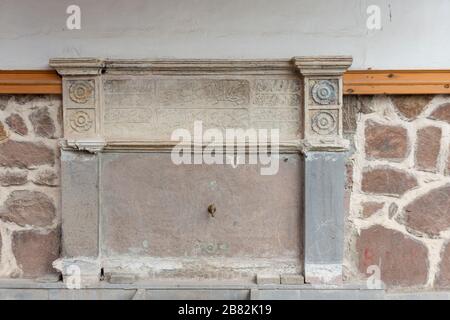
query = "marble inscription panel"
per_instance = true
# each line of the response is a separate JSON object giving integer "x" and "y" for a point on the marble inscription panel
{"x": 145, "y": 108}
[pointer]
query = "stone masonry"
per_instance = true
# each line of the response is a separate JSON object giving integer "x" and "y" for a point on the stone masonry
{"x": 399, "y": 211}
{"x": 398, "y": 188}
{"x": 29, "y": 180}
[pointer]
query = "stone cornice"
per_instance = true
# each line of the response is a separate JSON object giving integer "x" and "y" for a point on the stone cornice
{"x": 324, "y": 65}
{"x": 201, "y": 66}
{"x": 91, "y": 66}
{"x": 77, "y": 66}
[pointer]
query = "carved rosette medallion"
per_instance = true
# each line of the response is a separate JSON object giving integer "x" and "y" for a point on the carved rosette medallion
{"x": 324, "y": 92}
{"x": 81, "y": 91}
{"x": 80, "y": 121}
{"x": 323, "y": 123}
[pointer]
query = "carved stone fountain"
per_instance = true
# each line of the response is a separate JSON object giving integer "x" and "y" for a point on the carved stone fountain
{"x": 129, "y": 212}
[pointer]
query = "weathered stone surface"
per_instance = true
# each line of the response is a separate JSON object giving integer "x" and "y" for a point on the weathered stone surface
{"x": 427, "y": 148}
{"x": 25, "y": 154}
{"x": 35, "y": 252}
{"x": 13, "y": 178}
{"x": 292, "y": 279}
{"x": 23, "y": 99}
{"x": 239, "y": 103}
{"x": 447, "y": 170}
{"x": 46, "y": 177}
{"x": 124, "y": 278}
{"x": 349, "y": 175}
{"x": 4, "y": 100}
{"x": 25, "y": 207}
{"x": 353, "y": 106}
{"x": 385, "y": 142}
{"x": 3, "y": 132}
{"x": 267, "y": 279}
{"x": 392, "y": 210}
{"x": 324, "y": 232}
{"x": 402, "y": 260}
{"x": 441, "y": 113}
{"x": 42, "y": 123}
{"x": 371, "y": 207}
{"x": 430, "y": 213}
{"x": 348, "y": 186}
{"x": 443, "y": 276}
{"x": 17, "y": 124}
{"x": 79, "y": 204}
{"x": 149, "y": 218}
{"x": 387, "y": 181}
{"x": 1, "y": 247}
{"x": 410, "y": 106}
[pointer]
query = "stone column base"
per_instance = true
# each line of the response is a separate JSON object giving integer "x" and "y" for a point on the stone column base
{"x": 79, "y": 272}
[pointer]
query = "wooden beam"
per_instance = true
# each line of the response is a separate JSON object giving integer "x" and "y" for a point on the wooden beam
{"x": 397, "y": 82}
{"x": 29, "y": 82}
{"x": 356, "y": 82}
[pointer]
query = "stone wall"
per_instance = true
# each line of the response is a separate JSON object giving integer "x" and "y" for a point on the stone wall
{"x": 399, "y": 190}
{"x": 29, "y": 180}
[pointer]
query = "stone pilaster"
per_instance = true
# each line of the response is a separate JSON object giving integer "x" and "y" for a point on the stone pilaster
{"x": 82, "y": 107}
{"x": 324, "y": 148}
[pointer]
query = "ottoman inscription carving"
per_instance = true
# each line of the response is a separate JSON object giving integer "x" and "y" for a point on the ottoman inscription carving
{"x": 186, "y": 92}
{"x": 278, "y": 92}
{"x": 154, "y": 107}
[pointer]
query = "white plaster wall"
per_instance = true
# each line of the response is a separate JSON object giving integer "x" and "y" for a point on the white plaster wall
{"x": 414, "y": 33}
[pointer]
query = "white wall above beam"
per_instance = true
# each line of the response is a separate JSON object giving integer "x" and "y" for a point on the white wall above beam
{"x": 413, "y": 33}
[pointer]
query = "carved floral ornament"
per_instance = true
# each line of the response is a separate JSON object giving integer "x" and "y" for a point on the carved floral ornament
{"x": 324, "y": 92}
{"x": 324, "y": 122}
{"x": 81, "y": 91}
{"x": 80, "y": 121}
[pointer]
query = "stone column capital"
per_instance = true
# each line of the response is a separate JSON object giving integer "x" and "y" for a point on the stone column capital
{"x": 81, "y": 87}
{"x": 322, "y": 101}
{"x": 322, "y": 66}
{"x": 77, "y": 66}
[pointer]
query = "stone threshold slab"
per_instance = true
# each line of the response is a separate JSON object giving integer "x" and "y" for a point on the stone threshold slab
{"x": 178, "y": 284}
{"x": 154, "y": 290}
